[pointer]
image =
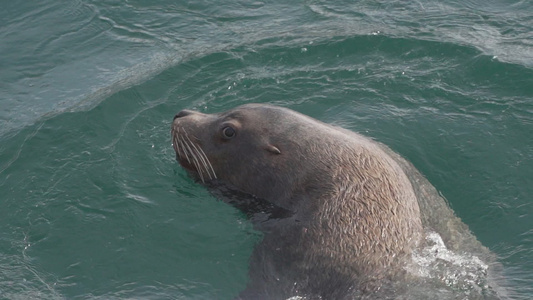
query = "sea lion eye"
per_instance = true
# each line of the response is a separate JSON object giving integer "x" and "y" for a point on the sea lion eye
{"x": 228, "y": 132}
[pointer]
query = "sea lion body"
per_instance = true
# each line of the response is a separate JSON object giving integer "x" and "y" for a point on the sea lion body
{"x": 354, "y": 217}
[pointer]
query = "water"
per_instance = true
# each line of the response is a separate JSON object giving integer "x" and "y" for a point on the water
{"x": 93, "y": 203}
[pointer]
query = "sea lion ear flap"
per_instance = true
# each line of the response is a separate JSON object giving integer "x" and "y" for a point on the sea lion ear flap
{"x": 273, "y": 149}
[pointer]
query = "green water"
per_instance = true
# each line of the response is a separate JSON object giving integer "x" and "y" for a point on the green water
{"x": 93, "y": 204}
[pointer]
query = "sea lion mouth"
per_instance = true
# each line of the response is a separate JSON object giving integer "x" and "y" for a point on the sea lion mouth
{"x": 190, "y": 155}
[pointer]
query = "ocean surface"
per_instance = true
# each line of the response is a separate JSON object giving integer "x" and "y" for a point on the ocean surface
{"x": 92, "y": 202}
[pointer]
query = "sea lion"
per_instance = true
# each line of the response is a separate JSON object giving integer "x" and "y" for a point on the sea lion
{"x": 353, "y": 217}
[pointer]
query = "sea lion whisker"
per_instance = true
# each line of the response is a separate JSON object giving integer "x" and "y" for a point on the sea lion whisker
{"x": 194, "y": 158}
{"x": 182, "y": 143}
{"x": 195, "y": 162}
{"x": 175, "y": 132}
{"x": 203, "y": 158}
{"x": 194, "y": 149}
{"x": 208, "y": 162}
{"x": 175, "y": 145}
{"x": 173, "y": 136}
{"x": 193, "y": 153}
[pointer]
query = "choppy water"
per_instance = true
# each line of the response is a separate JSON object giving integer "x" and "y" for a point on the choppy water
{"x": 93, "y": 204}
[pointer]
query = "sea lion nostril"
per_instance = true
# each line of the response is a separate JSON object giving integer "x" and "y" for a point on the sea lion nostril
{"x": 183, "y": 113}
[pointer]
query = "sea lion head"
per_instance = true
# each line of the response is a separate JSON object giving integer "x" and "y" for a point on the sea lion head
{"x": 251, "y": 148}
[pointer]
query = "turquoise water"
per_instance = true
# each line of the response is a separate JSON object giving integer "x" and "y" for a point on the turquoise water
{"x": 94, "y": 204}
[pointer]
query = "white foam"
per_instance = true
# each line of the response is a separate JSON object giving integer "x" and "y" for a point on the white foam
{"x": 435, "y": 261}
